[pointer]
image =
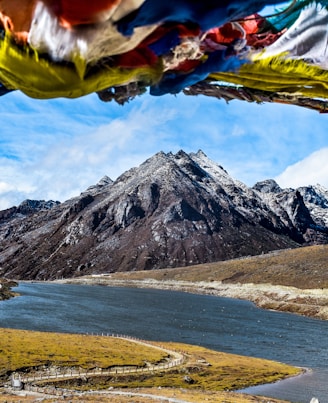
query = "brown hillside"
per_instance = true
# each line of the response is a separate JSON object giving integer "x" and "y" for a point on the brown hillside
{"x": 304, "y": 268}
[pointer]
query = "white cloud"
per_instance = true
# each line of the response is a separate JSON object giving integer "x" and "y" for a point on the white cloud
{"x": 56, "y": 149}
{"x": 6, "y": 187}
{"x": 311, "y": 170}
{"x": 61, "y": 165}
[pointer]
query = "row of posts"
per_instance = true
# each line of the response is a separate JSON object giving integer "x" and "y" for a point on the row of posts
{"x": 18, "y": 379}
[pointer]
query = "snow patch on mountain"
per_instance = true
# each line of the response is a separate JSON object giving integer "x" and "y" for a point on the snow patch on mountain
{"x": 173, "y": 210}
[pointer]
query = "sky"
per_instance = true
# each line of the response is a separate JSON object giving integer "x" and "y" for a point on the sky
{"x": 55, "y": 149}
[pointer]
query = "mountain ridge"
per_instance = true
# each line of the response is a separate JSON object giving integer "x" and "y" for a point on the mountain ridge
{"x": 173, "y": 210}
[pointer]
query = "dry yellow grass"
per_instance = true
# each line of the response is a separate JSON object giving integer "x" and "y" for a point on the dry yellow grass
{"x": 24, "y": 349}
{"x": 208, "y": 370}
{"x": 304, "y": 267}
{"x": 213, "y": 373}
{"x": 234, "y": 370}
{"x": 188, "y": 396}
{"x": 216, "y": 371}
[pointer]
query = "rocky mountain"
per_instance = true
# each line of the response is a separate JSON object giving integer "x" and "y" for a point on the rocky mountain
{"x": 26, "y": 208}
{"x": 173, "y": 210}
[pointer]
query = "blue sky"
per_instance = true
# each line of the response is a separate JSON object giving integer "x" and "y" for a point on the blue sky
{"x": 55, "y": 149}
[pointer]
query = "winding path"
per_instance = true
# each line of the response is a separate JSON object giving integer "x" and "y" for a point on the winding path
{"x": 176, "y": 359}
{"x": 165, "y": 399}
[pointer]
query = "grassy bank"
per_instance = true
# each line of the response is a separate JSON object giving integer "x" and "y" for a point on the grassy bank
{"x": 303, "y": 268}
{"x": 293, "y": 280}
{"x": 23, "y": 350}
{"x": 203, "y": 371}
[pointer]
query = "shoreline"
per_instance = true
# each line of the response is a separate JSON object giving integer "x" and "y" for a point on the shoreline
{"x": 248, "y": 291}
{"x": 306, "y": 302}
{"x": 209, "y": 363}
{"x": 262, "y": 389}
{"x": 6, "y": 289}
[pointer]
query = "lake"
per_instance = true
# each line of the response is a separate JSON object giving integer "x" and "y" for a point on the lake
{"x": 222, "y": 324}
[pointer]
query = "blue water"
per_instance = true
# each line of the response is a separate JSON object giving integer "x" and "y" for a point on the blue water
{"x": 221, "y": 324}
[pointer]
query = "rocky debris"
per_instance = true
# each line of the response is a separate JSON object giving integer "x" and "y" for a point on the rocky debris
{"x": 187, "y": 379}
{"x": 173, "y": 210}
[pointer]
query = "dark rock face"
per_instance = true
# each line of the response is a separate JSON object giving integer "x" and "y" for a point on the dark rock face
{"x": 173, "y": 210}
{"x": 5, "y": 289}
{"x": 26, "y": 208}
{"x": 267, "y": 186}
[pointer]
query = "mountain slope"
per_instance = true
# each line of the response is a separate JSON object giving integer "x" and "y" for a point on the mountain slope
{"x": 173, "y": 210}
